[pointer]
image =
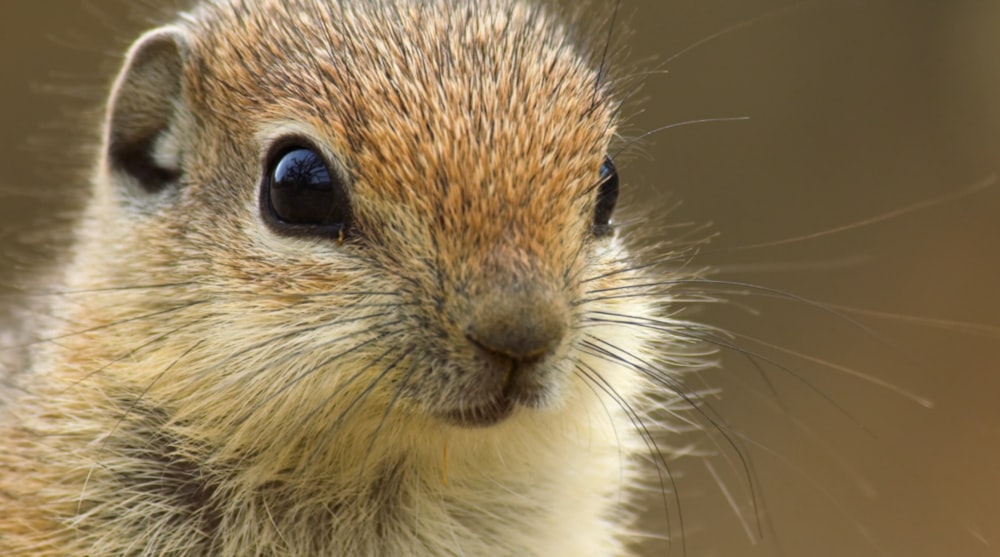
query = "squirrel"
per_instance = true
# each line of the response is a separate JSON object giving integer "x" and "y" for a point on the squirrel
{"x": 348, "y": 282}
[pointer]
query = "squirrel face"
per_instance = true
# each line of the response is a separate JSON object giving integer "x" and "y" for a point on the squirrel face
{"x": 401, "y": 212}
{"x": 348, "y": 284}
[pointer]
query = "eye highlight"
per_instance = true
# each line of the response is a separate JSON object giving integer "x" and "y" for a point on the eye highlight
{"x": 607, "y": 198}
{"x": 300, "y": 194}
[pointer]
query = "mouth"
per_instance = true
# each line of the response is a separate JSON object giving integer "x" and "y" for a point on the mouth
{"x": 512, "y": 384}
{"x": 483, "y": 415}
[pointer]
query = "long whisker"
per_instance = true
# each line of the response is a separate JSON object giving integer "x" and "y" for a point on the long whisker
{"x": 107, "y": 325}
{"x": 392, "y": 401}
{"x": 133, "y": 352}
{"x": 603, "y": 348}
{"x": 128, "y": 411}
{"x": 730, "y": 500}
{"x": 20, "y": 291}
{"x": 699, "y": 333}
{"x": 699, "y": 282}
{"x": 888, "y": 215}
{"x": 602, "y": 68}
{"x": 818, "y": 485}
{"x": 334, "y": 394}
{"x": 736, "y": 27}
{"x": 962, "y": 327}
{"x": 326, "y": 362}
{"x": 302, "y": 330}
{"x": 685, "y": 123}
{"x": 868, "y": 378}
{"x": 656, "y": 455}
{"x": 614, "y": 428}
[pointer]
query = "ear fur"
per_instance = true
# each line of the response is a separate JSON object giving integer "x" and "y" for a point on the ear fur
{"x": 140, "y": 135}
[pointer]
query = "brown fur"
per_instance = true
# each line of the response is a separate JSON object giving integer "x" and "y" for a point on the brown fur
{"x": 210, "y": 387}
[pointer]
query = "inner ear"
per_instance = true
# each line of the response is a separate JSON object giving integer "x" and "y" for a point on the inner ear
{"x": 141, "y": 137}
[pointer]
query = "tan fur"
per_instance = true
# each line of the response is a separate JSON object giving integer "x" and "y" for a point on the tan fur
{"x": 209, "y": 387}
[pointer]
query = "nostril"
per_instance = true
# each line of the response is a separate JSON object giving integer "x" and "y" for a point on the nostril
{"x": 503, "y": 355}
{"x": 521, "y": 326}
{"x": 521, "y": 344}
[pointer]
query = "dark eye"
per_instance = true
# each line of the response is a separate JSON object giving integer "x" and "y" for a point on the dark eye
{"x": 302, "y": 195}
{"x": 607, "y": 197}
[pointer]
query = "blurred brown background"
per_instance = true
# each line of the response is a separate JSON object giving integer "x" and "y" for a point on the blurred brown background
{"x": 857, "y": 108}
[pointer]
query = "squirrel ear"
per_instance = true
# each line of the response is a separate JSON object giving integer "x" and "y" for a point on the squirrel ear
{"x": 140, "y": 134}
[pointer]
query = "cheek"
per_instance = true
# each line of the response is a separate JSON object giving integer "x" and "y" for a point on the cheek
{"x": 615, "y": 347}
{"x": 291, "y": 366}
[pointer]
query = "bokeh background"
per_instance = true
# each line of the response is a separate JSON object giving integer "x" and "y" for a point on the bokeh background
{"x": 857, "y": 108}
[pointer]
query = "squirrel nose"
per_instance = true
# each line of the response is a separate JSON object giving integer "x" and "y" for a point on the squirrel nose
{"x": 521, "y": 322}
